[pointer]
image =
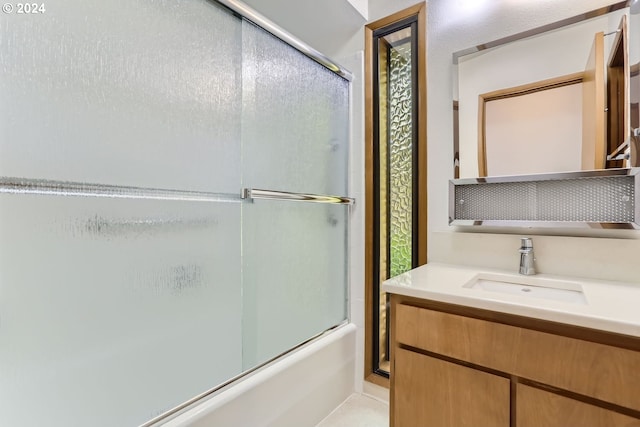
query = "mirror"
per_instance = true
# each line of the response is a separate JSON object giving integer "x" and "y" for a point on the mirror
{"x": 559, "y": 98}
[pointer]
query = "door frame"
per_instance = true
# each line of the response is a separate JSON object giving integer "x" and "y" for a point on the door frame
{"x": 522, "y": 90}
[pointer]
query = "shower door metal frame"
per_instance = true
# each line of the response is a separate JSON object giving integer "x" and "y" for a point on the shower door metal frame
{"x": 250, "y": 14}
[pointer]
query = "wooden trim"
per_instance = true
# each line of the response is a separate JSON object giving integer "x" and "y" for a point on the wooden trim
{"x": 482, "y": 138}
{"x": 526, "y": 89}
{"x": 511, "y": 92}
{"x": 618, "y": 51}
{"x": 594, "y": 94}
{"x": 377, "y": 380}
{"x": 368, "y": 197}
{"x": 618, "y": 77}
{"x": 419, "y": 10}
{"x": 416, "y": 9}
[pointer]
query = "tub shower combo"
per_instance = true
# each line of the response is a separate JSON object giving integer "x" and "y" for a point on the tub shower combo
{"x": 172, "y": 205}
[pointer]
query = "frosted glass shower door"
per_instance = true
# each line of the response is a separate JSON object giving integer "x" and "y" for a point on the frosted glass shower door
{"x": 294, "y": 258}
{"x": 114, "y": 310}
{"x": 294, "y": 254}
{"x": 120, "y": 271}
{"x": 133, "y": 277}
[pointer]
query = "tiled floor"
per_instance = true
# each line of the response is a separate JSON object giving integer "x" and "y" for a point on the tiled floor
{"x": 358, "y": 411}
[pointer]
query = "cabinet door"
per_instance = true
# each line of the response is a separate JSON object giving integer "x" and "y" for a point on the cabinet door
{"x": 539, "y": 408}
{"x": 433, "y": 392}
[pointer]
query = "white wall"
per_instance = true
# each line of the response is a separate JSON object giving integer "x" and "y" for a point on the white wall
{"x": 329, "y": 26}
{"x": 535, "y": 133}
{"x": 362, "y": 6}
{"x": 355, "y": 63}
{"x": 381, "y": 8}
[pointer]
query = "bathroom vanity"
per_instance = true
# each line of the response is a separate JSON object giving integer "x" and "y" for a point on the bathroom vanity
{"x": 472, "y": 347}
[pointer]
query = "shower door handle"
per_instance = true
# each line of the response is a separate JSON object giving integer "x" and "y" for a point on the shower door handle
{"x": 254, "y": 193}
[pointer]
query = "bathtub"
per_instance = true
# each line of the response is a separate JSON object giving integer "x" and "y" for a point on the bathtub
{"x": 297, "y": 390}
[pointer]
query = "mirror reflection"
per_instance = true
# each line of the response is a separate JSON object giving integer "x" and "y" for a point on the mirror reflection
{"x": 554, "y": 99}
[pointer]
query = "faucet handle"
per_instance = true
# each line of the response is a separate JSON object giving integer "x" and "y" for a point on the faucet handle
{"x": 526, "y": 243}
{"x": 526, "y": 256}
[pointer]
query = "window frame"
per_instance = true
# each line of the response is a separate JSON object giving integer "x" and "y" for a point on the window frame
{"x": 414, "y": 16}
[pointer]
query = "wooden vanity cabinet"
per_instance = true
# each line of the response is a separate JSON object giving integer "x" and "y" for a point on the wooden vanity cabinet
{"x": 455, "y": 366}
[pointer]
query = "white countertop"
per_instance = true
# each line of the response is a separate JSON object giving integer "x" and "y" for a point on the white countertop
{"x": 610, "y": 306}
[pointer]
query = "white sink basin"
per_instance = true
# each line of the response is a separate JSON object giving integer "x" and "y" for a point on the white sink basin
{"x": 529, "y": 287}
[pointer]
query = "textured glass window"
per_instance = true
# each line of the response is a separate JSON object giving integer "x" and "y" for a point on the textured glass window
{"x": 395, "y": 169}
{"x": 401, "y": 158}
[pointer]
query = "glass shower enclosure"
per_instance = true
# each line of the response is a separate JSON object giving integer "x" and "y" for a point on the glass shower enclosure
{"x": 172, "y": 210}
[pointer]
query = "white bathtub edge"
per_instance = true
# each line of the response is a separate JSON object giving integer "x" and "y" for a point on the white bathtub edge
{"x": 299, "y": 390}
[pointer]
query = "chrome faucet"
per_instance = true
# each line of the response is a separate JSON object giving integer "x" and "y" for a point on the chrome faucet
{"x": 526, "y": 256}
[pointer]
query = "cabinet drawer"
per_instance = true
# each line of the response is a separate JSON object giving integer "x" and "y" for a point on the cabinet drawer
{"x": 601, "y": 371}
{"x": 539, "y": 408}
{"x": 430, "y": 392}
